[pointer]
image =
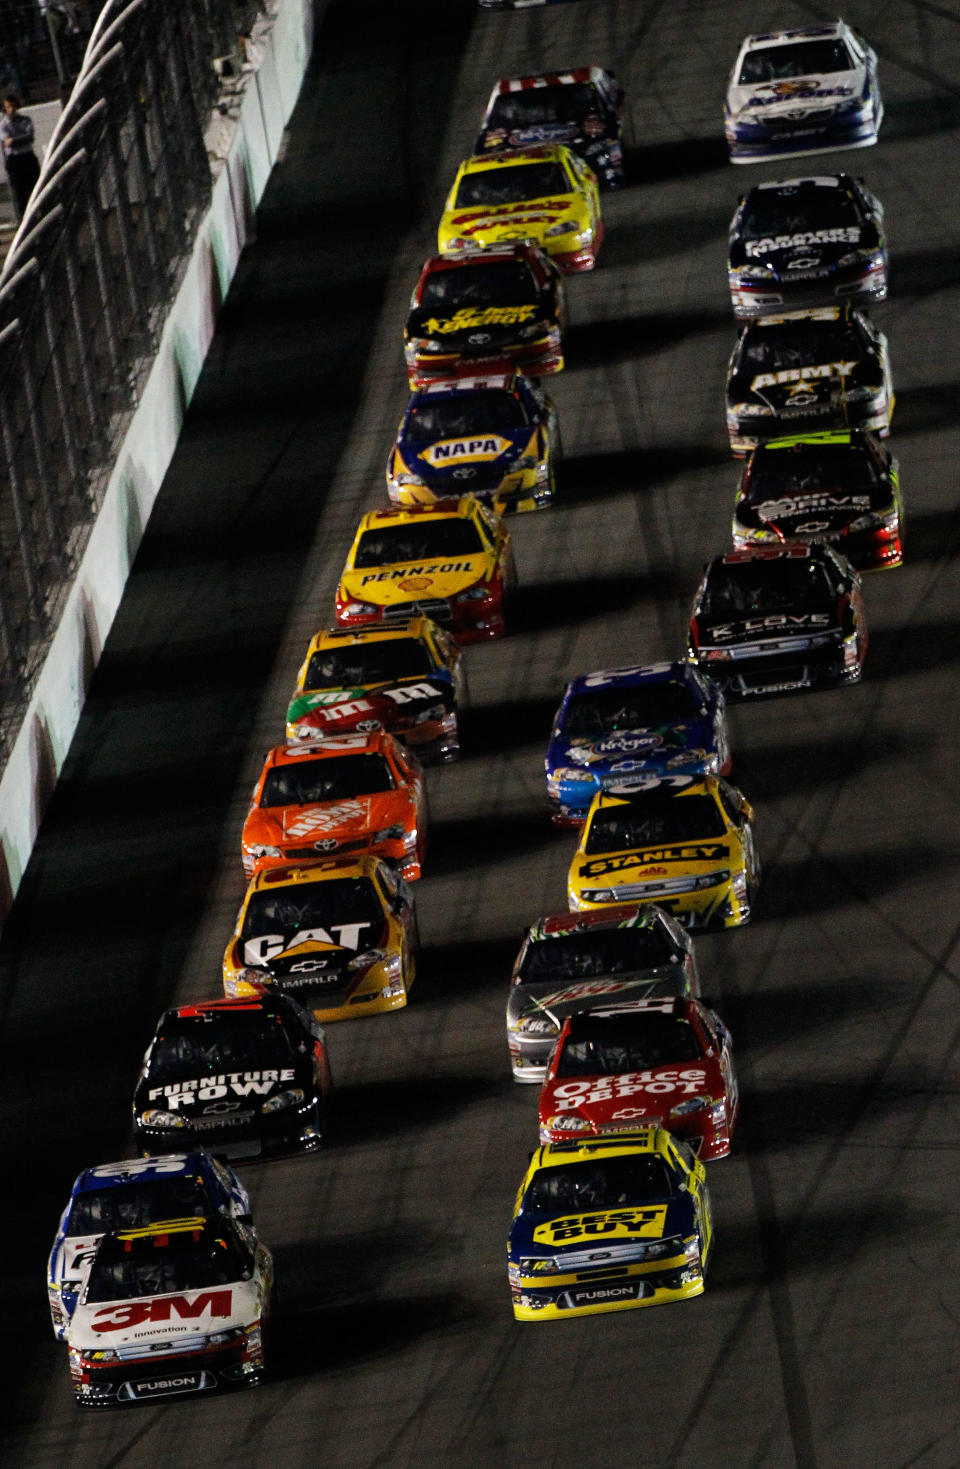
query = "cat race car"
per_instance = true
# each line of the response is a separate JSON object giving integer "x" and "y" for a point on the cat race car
{"x": 579, "y": 108}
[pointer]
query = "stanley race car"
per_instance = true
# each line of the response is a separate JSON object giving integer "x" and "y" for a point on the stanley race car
{"x": 769, "y": 621}
{"x": 654, "y": 719}
{"x": 495, "y": 437}
{"x": 805, "y": 372}
{"x": 683, "y": 841}
{"x": 579, "y": 108}
{"x": 546, "y": 195}
{"x": 802, "y": 91}
{"x": 452, "y": 561}
{"x": 574, "y": 961}
{"x": 609, "y": 1224}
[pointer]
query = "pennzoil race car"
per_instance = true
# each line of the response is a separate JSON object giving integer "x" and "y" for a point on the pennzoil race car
{"x": 579, "y": 108}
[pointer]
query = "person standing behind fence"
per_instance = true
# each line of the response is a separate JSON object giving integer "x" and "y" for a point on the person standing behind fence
{"x": 16, "y": 138}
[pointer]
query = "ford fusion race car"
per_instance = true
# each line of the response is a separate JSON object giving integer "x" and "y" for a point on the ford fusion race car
{"x": 578, "y": 108}
{"x": 806, "y": 242}
{"x": 621, "y": 722}
{"x": 805, "y": 372}
{"x": 609, "y": 1224}
{"x": 802, "y": 91}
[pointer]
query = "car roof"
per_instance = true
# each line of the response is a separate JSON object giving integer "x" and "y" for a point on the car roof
{"x": 450, "y": 509}
{"x": 134, "y": 1170}
{"x": 619, "y": 915}
{"x": 810, "y": 181}
{"x": 406, "y": 627}
{"x": 651, "y": 673}
{"x": 621, "y": 795}
{"x": 513, "y": 157}
{"x": 825, "y": 29}
{"x": 294, "y": 874}
{"x": 307, "y": 752}
{"x": 643, "y": 1140}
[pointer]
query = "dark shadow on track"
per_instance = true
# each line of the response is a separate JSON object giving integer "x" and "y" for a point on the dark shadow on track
{"x": 394, "y": 1109}
{"x": 802, "y": 769}
{"x": 594, "y": 477}
{"x": 605, "y": 343}
{"x": 895, "y": 652}
{"x": 861, "y": 877}
{"x": 345, "y": 1335}
{"x": 484, "y": 841}
{"x": 496, "y": 729}
{"x": 683, "y": 159}
{"x": 567, "y": 603}
{"x": 452, "y": 971}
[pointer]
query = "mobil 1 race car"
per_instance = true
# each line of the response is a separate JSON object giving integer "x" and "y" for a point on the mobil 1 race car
{"x": 492, "y": 436}
{"x": 806, "y": 242}
{"x": 656, "y": 719}
{"x": 579, "y": 108}
{"x": 769, "y": 621}
{"x": 803, "y": 372}
{"x": 802, "y": 91}
{"x": 574, "y": 961}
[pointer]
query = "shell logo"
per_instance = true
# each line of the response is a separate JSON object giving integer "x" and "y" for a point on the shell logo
{"x": 416, "y": 584}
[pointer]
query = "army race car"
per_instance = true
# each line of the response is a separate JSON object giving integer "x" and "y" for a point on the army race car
{"x": 579, "y": 108}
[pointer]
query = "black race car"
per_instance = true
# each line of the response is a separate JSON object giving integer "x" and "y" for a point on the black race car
{"x": 578, "y": 108}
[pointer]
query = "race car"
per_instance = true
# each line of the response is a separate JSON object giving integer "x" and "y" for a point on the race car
{"x": 805, "y": 372}
{"x": 643, "y": 1063}
{"x": 574, "y": 961}
{"x": 129, "y": 1195}
{"x": 547, "y": 195}
{"x": 841, "y": 488}
{"x": 492, "y": 436}
{"x": 579, "y": 108}
{"x": 609, "y": 1224}
{"x": 172, "y": 1309}
{"x": 806, "y": 242}
{"x": 406, "y": 677}
{"x": 339, "y": 937}
{"x": 809, "y": 90}
{"x": 653, "y": 719}
{"x": 348, "y": 793}
{"x": 767, "y": 621}
{"x": 683, "y": 841}
{"x": 452, "y": 561}
{"x": 486, "y": 312}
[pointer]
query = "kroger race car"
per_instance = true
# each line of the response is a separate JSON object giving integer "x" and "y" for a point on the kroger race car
{"x": 609, "y": 1224}
{"x": 654, "y": 719}
{"x": 806, "y": 242}
{"x": 802, "y": 91}
{"x": 579, "y": 108}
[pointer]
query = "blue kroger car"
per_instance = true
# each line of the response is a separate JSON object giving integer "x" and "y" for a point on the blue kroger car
{"x": 659, "y": 719}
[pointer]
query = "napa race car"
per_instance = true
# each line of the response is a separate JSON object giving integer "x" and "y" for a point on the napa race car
{"x": 609, "y": 1224}
{"x": 579, "y": 108}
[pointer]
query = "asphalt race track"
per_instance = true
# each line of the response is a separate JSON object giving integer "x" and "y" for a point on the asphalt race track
{"x": 828, "y": 1335}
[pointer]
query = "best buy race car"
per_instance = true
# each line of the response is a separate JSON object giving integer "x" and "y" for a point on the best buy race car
{"x": 578, "y": 108}
{"x": 609, "y": 1224}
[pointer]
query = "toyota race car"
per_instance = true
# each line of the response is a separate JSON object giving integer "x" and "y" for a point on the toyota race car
{"x": 578, "y": 108}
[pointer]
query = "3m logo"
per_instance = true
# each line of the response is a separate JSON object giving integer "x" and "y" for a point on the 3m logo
{"x": 166, "y": 1308}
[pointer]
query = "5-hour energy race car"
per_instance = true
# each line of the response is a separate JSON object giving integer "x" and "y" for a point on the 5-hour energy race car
{"x": 579, "y": 108}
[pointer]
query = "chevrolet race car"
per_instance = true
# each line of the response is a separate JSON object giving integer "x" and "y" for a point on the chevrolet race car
{"x": 683, "y": 841}
{"x": 129, "y": 1195}
{"x": 806, "y": 242}
{"x": 502, "y": 308}
{"x": 452, "y": 561}
{"x": 653, "y": 719}
{"x": 578, "y": 108}
{"x": 495, "y": 437}
{"x": 805, "y": 372}
{"x": 175, "y": 1308}
{"x": 339, "y": 937}
{"x": 575, "y": 961}
{"x": 545, "y": 195}
{"x": 802, "y": 91}
{"x": 769, "y": 621}
{"x": 609, "y": 1224}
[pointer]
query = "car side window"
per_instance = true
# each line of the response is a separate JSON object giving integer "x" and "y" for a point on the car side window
{"x": 730, "y": 801}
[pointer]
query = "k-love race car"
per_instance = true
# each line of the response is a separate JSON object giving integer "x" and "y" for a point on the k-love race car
{"x": 575, "y": 961}
{"x": 347, "y": 793}
{"x": 546, "y": 195}
{"x": 771, "y": 621}
{"x": 492, "y": 436}
{"x": 685, "y": 842}
{"x": 452, "y": 561}
{"x": 802, "y": 91}
{"x": 176, "y": 1308}
{"x": 501, "y": 308}
{"x": 806, "y": 242}
{"x": 339, "y": 937}
{"x": 654, "y": 719}
{"x": 804, "y": 372}
{"x": 579, "y": 108}
{"x": 609, "y": 1224}
{"x": 129, "y": 1195}
{"x": 406, "y": 677}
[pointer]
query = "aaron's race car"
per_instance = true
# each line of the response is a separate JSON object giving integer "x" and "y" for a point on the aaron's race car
{"x": 579, "y": 108}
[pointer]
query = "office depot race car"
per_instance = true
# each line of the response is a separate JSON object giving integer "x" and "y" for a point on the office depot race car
{"x": 575, "y": 961}
{"x": 452, "y": 561}
{"x": 806, "y": 242}
{"x": 578, "y": 108}
{"x": 495, "y": 437}
{"x": 486, "y": 312}
{"x": 683, "y": 841}
{"x": 174, "y": 1308}
{"x": 340, "y": 937}
{"x": 806, "y": 372}
{"x": 769, "y": 621}
{"x": 544, "y": 195}
{"x": 802, "y": 91}
{"x": 609, "y": 1224}
{"x": 655, "y": 719}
